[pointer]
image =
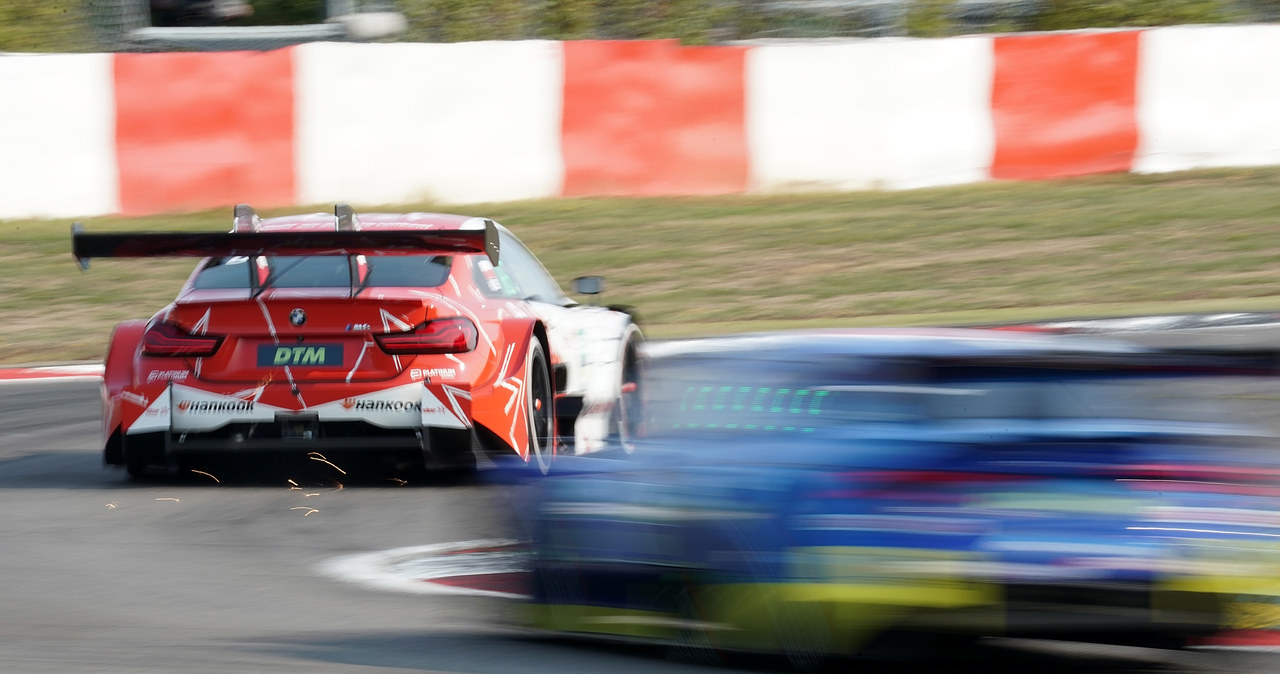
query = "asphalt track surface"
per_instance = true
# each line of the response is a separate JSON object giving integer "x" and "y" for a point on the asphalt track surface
{"x": 104, "y": 574}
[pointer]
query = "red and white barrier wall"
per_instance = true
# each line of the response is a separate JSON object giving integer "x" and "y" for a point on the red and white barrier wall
{"x": 499, "y": 121}
{"x": 393, "y": 123}
{"x": 1209, "y": 97}
{"x": 57, "y": 136}
{"x": 869, "y": 114}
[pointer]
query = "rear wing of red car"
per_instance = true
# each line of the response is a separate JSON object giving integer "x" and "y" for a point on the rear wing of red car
{"x": 247, "y": 240}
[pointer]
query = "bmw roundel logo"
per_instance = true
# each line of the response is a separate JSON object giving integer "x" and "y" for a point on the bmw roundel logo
{"x": 297, "y": 317}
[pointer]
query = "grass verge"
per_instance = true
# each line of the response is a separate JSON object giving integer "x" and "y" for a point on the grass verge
{"x": 1110, "y": 245}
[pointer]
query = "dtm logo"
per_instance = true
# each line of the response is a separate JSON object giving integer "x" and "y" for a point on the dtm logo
{"x": 315, "y": 355}
{"x": 299, "y": 355}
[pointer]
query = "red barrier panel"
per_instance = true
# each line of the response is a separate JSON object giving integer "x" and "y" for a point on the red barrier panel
{"x": 1064, "y": 104}
{"x": 645, "y": 118}
{"x": 203, "y": 130}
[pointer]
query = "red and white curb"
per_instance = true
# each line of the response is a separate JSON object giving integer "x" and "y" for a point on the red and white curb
{"x": 482, "y": 568}
{"x": 88, "y": 372}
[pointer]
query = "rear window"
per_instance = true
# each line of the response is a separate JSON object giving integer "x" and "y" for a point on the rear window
{"x": 327, "y": 271}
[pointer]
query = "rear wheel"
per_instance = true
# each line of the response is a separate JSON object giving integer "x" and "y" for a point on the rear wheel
{"x": 629, "y": 412}
{"x": 143, "y": 454}
{"x": 539, "y": 402}
{"x": 804, "y": 635}
{"x": 690, "y": 641}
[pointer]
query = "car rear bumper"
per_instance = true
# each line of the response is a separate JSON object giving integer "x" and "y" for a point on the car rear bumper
{"x": 282, "y": 411}
{"x": 173, "y": 419}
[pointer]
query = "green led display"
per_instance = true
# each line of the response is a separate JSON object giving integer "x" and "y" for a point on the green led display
{"x": 750, "y": 408}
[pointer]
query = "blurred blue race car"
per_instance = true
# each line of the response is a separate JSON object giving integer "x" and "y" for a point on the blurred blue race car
{"x": 815, "y": 493}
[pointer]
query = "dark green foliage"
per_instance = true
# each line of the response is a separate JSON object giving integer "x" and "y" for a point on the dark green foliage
{"x": 750, "y": 19}
{"x": 930, "y": 18}
{"x": 691, "y": 21}
{"x": 285, "y": 12}
{"x": 1072, "y": 14}
{"x": 467, "y": 20}
{"x": 1263, "y": 10}
{"x": 97, "y": 25}
{"x": 568, "y": 19}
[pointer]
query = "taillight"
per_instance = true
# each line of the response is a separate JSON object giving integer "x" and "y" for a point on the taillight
{"x": 445, "y": 335}
{"x": 167, "y": 339}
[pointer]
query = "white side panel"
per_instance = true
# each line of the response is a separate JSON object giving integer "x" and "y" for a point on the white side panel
{"x": 446, "y": 411}
{"x": 590, "y": 342}
{"x": 57, "y": 132}
{"x": 454, "y": 123}
{"x": 155, "y": 418}
{"x": 1208, "y": 96}
{"x": 197, "y": 410}
{"x": 892, "y": 114}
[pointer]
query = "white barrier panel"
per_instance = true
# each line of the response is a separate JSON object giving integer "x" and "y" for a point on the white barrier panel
{"x": 459, "y": 123}
{"x": 1208, "y": 96}
{"x": 891, "y": 114}
{"x": 58, "y": 135}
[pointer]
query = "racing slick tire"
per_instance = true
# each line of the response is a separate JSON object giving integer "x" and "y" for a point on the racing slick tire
{"x": 144, "y": 454}
{"x": 690, "y": 643}
{"x": 540, "y": 402}
{"x": 629, "y": 415}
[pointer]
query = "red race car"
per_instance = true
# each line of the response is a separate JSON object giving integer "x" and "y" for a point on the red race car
{"x": 437, "y": 340}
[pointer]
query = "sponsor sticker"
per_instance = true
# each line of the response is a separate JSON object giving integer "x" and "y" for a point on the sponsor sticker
{"x": 418, "y": 374}
{"x": 361, "y": 405}
{"x": 167, "y": 375}
{"x": 214, "y": 406}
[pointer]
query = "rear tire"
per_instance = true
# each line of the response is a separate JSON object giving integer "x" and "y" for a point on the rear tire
{"x": 804, "y": 635}
{"x": 629, "y": 417}
{"x": 143, "y": 454}
{"x": 539, "y": 402}
{"x": 690, "y": 643}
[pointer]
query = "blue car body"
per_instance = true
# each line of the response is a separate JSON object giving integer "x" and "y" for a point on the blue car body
{"x": 811, "y": 492}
